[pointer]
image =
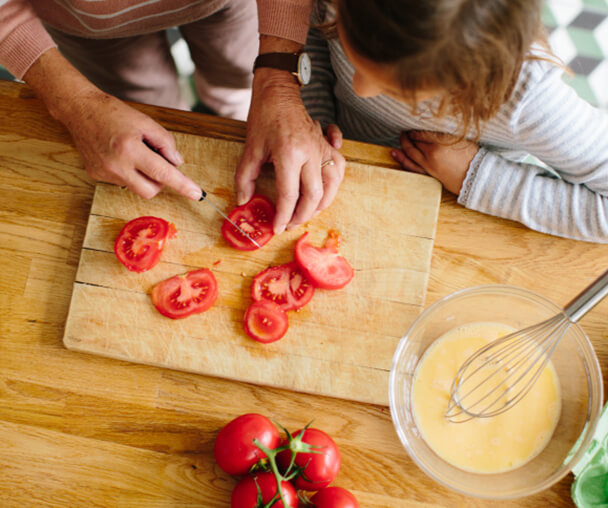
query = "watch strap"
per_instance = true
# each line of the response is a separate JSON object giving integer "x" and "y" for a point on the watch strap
{"x": 282, "y": 61}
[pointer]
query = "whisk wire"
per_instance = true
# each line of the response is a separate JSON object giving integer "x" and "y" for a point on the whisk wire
{"x": 540, "y": 339}
{"x": 511, "y": 353}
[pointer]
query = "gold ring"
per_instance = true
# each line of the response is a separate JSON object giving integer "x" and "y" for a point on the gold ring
{"x": 329, "y": 162}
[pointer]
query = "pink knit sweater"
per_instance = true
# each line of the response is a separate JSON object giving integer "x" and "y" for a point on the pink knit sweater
{"x": 23, "y": 37}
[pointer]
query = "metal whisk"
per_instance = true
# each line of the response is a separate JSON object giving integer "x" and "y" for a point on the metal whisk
{"x": 498, "y": 375}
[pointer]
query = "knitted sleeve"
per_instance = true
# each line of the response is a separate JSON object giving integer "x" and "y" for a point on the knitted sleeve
{"x": 22, "y": 37}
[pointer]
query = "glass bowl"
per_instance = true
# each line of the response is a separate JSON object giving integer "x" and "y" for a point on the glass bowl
{"x": 574, "y": 360}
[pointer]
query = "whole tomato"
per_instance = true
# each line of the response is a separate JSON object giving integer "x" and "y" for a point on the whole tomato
{"x": 320, "y": 465}
{"x": 247, "y": 495}
{"x": 234, "y": 449}
{"x": 334, "y": 497}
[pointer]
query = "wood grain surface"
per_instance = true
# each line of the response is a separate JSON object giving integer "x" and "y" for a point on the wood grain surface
{"x": 341, "y": 344}
{"x": 83, "y": 430}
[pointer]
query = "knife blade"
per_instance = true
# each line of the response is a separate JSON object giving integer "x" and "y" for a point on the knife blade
{"x": 205, "y": 198}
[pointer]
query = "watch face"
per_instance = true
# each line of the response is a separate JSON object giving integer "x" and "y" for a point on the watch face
{"x": 305, "y": 68}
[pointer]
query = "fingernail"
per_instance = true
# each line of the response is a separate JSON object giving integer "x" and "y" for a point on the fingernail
{"x": 178, "y": 157}
{"x": 194, "y": 193}
{"x": 241, "y": 198}
{"x": 279, "y": 229}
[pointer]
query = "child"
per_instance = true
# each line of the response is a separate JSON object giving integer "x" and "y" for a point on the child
{"x": 464, "y": 90}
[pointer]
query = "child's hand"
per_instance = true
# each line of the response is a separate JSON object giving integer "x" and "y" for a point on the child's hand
{"x": 430, "y": 153}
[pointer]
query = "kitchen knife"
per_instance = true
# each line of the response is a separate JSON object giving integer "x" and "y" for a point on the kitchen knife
{"x": 205, "y": 198}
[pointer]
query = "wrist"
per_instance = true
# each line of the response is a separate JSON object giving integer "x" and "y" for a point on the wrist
{"x": 266, "y": 78}
{"x": 60, "y": 86}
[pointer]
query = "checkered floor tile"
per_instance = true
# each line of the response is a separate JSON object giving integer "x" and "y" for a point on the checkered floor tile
{"x": 578, "y": 34}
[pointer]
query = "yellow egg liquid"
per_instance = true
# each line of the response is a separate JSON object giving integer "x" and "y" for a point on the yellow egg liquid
{"x": 481, "y": 445}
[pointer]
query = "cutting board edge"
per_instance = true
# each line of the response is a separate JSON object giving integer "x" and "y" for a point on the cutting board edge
{"x": 71, "y": 343}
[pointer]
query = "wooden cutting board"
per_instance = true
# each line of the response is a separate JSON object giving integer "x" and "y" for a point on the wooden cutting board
{"x": 341, "y": 344}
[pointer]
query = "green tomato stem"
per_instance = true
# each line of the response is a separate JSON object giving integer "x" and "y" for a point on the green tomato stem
{"x": 271, "y": 455}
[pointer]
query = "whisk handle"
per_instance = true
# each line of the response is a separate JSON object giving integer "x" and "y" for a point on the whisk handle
{"x": 587, "y": 298}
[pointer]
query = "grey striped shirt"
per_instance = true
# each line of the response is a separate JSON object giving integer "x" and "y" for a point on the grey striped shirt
{"x": 544, "y": 117}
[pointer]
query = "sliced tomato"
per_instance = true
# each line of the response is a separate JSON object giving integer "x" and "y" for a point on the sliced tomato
{"x": 183, "y": 295}
{"x": 324, "y": 266}
{"x": 255, "y": 218}
{"x": 286, "y": 285}
{"x": 141, "y": 241}
{"x": 265, "y": 321}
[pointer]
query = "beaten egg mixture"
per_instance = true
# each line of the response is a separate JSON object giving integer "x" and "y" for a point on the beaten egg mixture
{"x": 481, "y": 445}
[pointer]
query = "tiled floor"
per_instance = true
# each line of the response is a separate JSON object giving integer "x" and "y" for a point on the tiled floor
{"x": 578, "y": 34}
{"x": 577, "y": 30}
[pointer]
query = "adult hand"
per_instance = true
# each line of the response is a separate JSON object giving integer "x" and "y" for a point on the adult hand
{"x": 438, "y": 155}
{"x": 118, "y": 144}
{"x": 280, "y": 131}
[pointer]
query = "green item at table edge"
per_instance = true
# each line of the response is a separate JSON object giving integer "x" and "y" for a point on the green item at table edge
{"x": 590, "y": 487}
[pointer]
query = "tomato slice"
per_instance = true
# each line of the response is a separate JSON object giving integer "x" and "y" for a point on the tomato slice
{"x": 255, "y": 218}
{"x": 286, "y": 285}
{"x": 324, "y": 266}
{"x": 265, "y": 321}
{"x": 183, "y": 295}
{"x": 141, "y": 241}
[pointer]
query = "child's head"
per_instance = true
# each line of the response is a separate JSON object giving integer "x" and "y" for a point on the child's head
{"x": 468, "y": 51}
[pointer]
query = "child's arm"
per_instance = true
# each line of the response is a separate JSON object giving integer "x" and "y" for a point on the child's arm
{"x": 525, "y": 193}
{"x": 552, "y": 123}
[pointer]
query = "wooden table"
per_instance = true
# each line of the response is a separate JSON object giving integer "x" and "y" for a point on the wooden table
{"x": 80, "y": 430}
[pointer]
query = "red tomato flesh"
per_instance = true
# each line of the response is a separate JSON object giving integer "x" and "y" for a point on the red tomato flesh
{"x": 334, "y": 497}
{"x": 286, "y": 285}
{"x": 141, "y": 241}
{"x": 183, "y": 295}
{"x": 324, "y": 266}
{"x": 265, "y": 321}
{"x": 321, "y": 467}
{"x": 234, "y": 449}
{"x": 245, "y": 494}
{"x": 255, "y": 218}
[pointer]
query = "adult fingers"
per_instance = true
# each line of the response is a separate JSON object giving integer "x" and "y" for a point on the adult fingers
{"x": 288, "y": 192}
{"x": 140, "y": 184}
{"x": 163, "y": 142}
{"x": 334, "y": 136}
{"x": 332, "y": 176}
{"x": 311, "y": 192}
{"x": 158, "y": 169}
{"x": 247, "y": 171}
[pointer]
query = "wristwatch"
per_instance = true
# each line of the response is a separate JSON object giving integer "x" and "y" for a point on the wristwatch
{"x": 298, "y": 64}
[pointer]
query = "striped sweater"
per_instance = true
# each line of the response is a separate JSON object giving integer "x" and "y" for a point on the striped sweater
{"x": 544, "y": 117}
{"x": 23, "y": 37}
